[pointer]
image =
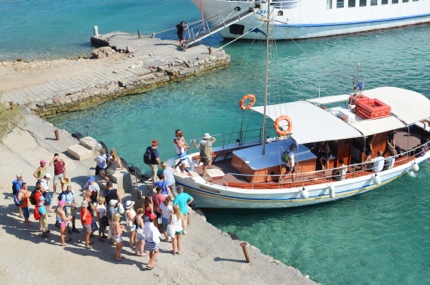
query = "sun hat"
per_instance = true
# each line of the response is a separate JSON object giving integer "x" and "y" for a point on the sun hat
{"x": 113, "y": 202}
{"x": 42, "y": 162}
{"x": 61, "y": 203}
{"x": 129, "y": 204}
{"x": 152, "y": 217}
{"x": 206, "y": 136}
{"x": 84, "y": 204}
{"x": 47, "y": 176}
{"x": 65, "y": 180}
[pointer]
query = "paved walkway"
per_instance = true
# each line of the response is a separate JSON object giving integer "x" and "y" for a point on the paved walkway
{"x": 210, "y": 256}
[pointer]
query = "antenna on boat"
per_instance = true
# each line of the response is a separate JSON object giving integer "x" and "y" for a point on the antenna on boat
{"x": 263, "y": 146}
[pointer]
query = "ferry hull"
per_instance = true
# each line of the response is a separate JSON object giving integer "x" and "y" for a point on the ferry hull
{"x": 310, "y": 19}
{"x": 208, "y": 195}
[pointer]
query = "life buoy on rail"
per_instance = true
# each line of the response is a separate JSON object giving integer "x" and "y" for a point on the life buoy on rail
{"x": 244, "y": 98}
{"x": 283, "y": 132}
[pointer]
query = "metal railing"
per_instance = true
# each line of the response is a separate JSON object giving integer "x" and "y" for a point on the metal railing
{"x": 321, "y": 176}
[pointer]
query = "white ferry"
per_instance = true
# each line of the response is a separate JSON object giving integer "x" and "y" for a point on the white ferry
{"x": 300, "y": 19}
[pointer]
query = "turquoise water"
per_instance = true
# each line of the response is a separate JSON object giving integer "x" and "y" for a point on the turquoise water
{"x": 39, "y": 29}
{"x": 379, "y": 237}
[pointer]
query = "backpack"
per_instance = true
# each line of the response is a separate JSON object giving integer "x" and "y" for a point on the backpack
{"x": 284, "y": 156}
{"x": 14, "y": 190}
{"x": 16, "y": 201}
{"x": 32, "y": 198}
{"x": 147, "y": 156}
{"x": 205, "y": 150}
{"x": 65, "y": 192}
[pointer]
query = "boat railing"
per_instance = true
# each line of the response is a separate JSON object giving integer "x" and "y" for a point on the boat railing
{"x": 302, "y": 179}
{"x": 240, "y": 138}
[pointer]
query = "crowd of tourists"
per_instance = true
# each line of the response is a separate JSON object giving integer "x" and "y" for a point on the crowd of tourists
{"x": 163, "y": 215}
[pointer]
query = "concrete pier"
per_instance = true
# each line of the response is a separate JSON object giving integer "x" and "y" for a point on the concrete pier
{"x": 125, "y": 65}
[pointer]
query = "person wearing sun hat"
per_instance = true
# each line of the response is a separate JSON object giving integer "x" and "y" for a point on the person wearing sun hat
{"x": 40, "y": 171}
{"x": 152, "y": 239}
{"x": 130, "y": 215}
{"x": 205, "y": 146}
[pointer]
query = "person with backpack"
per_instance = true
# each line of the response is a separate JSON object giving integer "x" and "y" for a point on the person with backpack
{"x": 44, "y": 183}
{"x": 16, "y": 186}
{"x": 68, "y": 197}
{"x": 288, "y": 158}
{"x": 152, "y": 158}
{"x": 23, "y": 197}
{"x": 205, "y": 146}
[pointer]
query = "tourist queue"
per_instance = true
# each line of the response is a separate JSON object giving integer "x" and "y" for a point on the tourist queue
{"x": 103, "y": 211}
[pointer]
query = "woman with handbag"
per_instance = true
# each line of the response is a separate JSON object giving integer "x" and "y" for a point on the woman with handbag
{"x": 130, "y": 216}
{"x": 177, "y": 221}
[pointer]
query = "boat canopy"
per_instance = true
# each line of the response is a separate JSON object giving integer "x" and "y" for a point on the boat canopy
{"x": 310, "y": 122}
{"x": 313, "y": 124}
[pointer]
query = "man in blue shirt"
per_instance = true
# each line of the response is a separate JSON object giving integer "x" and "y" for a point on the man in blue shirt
{"x": 163, "y": 184}
{"x": 16, "y": 187}
{"x": 69, "y": 208}
{"x": 155, "y": 159}
{"x": 183, "y": 200}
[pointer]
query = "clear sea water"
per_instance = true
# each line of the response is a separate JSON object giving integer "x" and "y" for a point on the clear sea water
{"x": 380, "y": 237}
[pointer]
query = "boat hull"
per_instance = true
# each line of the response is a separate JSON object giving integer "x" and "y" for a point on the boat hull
{"x": 209, "y": 195}
{"x": 310, "y": 19}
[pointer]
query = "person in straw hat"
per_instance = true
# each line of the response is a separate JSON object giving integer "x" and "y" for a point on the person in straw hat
{"x": 205, "y": 146}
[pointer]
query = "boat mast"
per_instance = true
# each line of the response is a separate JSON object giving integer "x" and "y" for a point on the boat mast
{"x": 266, "y": 79}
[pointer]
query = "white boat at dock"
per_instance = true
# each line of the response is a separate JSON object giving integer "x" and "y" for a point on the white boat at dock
{"x": 249, "y": 168}
{"x": 300, "y": 19}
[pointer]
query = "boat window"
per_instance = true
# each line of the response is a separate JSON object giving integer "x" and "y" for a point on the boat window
{"x": 363, "y": 3}
{"x": 394, "y": 1}
{"x": 373, "y": 2}
{"x": 351, "y": 3}
{"x": 384, "y": 2}
{"x": 405, "y": 1}
{"x": 329, "y": 4}
{"x": 339, "y": 4}
{"x": 280, "y": 13}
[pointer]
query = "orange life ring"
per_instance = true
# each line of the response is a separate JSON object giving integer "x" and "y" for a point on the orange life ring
{"x": 282, "y": 132}
{"x": 246, "y": 97}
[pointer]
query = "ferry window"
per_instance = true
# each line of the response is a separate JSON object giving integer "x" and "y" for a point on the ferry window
{"x": 394, "y": 1}
{"x": 404, "y": 1}
{"x": 339, "y": 4}
{"x": 373, "y": 2}
{"x": 363, "y": 3}
{"x": 384, "y": 2}
{"x": 329, "y": 4}
{"x": 351, "y": 3}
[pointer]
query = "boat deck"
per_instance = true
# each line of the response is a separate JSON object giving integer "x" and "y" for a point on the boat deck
{"x": 407, "y": 142}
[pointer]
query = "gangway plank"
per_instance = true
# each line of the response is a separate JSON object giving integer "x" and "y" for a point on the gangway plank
{"x": 207, "y": 32}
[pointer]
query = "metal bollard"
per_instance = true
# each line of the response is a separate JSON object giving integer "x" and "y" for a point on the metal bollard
{"x": 96, "y": 30}
{"x": 245, "y": 251}
{"x": 57, "y": 135}
{"x": 138, "y": 33}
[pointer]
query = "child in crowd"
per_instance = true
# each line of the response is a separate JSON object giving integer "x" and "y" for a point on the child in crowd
{"x": 42, "y": 211}
{"x": 140, "y": 245}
